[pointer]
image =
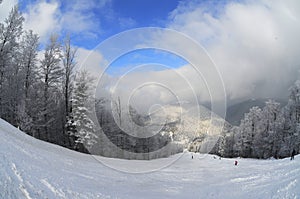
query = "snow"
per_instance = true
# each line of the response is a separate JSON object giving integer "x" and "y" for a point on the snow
{"x": 30, "y": 168}
{"x": 187, "y": 122}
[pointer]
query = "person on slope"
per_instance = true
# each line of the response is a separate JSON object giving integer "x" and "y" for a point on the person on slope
{"x": 293, "y": 154}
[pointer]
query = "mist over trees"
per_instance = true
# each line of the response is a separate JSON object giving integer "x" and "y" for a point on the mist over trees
{"x": 132, "y": 137}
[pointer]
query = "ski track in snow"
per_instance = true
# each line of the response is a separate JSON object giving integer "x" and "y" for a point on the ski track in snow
{"x": 55, "y": 191}
{"x": 21, "y": 184}
{"x": 32, "y": 169}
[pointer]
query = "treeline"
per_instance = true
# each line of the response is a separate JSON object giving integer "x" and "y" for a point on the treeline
{"x": 41, "y": 96}
{"x": 263, "y": 133}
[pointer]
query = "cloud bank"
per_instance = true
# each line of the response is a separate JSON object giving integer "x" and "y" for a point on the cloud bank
{"x": 254, "y": 44}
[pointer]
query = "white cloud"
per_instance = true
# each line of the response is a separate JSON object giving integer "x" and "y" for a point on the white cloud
{"x": 76, "y": 17}
{"x": 143, "y": 88}
{"x": 254, "y": 44}
{"x": 94, "y": 62}
{"x": 44, "y": 18}
{"x": 90, "y": 60}
{"x": 79, "y": 18}
{"x": 126, "y": 22}
{"x": 5, "y": 8}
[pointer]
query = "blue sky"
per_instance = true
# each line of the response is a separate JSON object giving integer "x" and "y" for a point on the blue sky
{"x": 110, "y": 17}
{"x": 151, "y": 59}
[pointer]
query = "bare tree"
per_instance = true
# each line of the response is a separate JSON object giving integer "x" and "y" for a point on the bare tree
{"x": 118, "y": 108}
{"x": 29, "y": 45}
{"x": 69, "y": 64}
{"x": 51, "y": 77}
{"x": 28, "y": 62}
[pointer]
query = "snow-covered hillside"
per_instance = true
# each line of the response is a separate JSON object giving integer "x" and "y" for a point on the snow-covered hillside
{"x": 173, "y": 127}
{"x": 187, "y": 122}
{"x": 30, "y": 168}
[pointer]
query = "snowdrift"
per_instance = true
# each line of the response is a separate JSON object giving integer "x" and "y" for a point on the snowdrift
{"x": 30, "y": 168}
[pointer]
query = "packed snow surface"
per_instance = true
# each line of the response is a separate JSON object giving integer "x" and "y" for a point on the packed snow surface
{"x": 30, "y": 168}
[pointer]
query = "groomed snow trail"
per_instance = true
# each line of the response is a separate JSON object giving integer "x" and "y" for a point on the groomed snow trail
{"x": 31, "y": 169}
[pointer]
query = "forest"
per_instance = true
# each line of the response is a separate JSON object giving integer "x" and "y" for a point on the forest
{"x": 35, "y": 92}
{"x": 263, "y": 133}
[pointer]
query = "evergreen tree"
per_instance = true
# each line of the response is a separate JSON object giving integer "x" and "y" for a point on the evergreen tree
{"x": 85, "y": 128}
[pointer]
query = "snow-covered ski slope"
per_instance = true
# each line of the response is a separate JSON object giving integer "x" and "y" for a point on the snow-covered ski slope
{"x": 30, "y": 168}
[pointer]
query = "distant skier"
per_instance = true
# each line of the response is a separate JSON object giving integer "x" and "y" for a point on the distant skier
{"x": 236, "y": 163}
{"x": 293, "y": 154}
{"x": 192, "y": 156}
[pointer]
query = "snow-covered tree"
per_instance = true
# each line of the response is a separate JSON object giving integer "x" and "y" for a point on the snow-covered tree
{"x": 29, "y": 69}
{"x": 291, "y": 133}
{"x": 225, "y": 144}
{"x": 81, "y": 111}
{"x": 10, "y": 33}
{"x": 51, "y": 74}
{"x": 68, "y": 58}
{"x": 29, "y": 49}
{"x": 294, "y": 101}
{"x": 117, "y": 109}
{"x": 250, "y": 125}
{"x": 274, "y": 122}
{"x": 267, "y": 141}
{"x": 69, "y": 64}
{"x": 34, "y": 94}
